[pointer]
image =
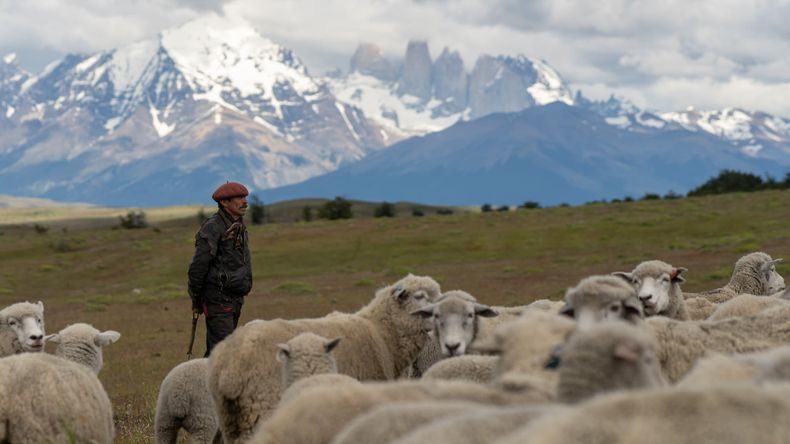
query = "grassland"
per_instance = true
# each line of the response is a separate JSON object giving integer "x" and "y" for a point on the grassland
{"x": 133, "y": 281}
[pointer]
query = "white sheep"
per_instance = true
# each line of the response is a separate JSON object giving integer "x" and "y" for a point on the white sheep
{"x": 58, "y": 398}
{"x": 304, "y": 355}
{"x": 681, "y": 343}
{"x": 745, "y": 305}
{"x": 754, "y": 273}
{"x": 185, "y": 402}
{"x": 475, "y": 368}
{"x": 379, "y": 340}
{"x": 657, "y": 285}
{"x": 699, "y": 308}
{"x": 596, "y": 298}
{"x": 717, "y": 369}
{"x": 21, "y": 328}
{"x": 722, "y": 415}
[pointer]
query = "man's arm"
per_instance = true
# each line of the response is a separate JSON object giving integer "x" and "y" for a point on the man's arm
{"x": 205, "y": 251}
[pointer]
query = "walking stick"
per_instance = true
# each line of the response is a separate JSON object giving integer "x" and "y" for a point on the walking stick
{"x": 195, "y": 316}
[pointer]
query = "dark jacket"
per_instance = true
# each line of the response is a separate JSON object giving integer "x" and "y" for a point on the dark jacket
{"x": 217, "y": 263}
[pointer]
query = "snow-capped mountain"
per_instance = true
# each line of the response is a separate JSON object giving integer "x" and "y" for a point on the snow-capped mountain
{"x": 425, "y": 95}
{"x": 211, "y": 97}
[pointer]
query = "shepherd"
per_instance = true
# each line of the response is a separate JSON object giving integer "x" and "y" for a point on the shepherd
{"x": 220, "y": 274}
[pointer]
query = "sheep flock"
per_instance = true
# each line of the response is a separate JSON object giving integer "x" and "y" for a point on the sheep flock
{"x": 627, "y": 356}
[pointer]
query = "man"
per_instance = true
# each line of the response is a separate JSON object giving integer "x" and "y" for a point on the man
{"x": 220, "y": 274}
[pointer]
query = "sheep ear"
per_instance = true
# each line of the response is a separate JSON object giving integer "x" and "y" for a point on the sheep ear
{"x": 283, "y": 352}
{"x": 624, "y": 275}
{"x": 106, "y": 338}
{"x": 400, "y": 293}
{"x": 52, "y": 338}
{"x": 331, "y": 344}
{"x": 627, "y": 352}
{"x": 675, "y": 276}
{"x": 41, "y": 306}
{"x": 424, "y": 312}
{"x": 567, "y": 310}
{"x": 485, "y": 311}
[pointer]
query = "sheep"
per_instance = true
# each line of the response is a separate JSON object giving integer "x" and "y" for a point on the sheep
{"x": 657, "y": 285}
{"x": 304, "y": 355}
{"x": 387, "y": 422}
{"x": 681, "y": 343}
{"x": 327, "y": 410}
{"x": 381, "y": 339}
{"x": 475, "y": 368}
{"x": 699, "y": 308}
{"x": 715, "y": 369}
{"x": 596, "y": 298}
{"x": 185, "y": 402}
{"x": 609, "y": 356}
{"x": 479, "y": 425}
{"x": 319, "y": 380}
{"x": 723, "y": 415}
{"x": 58, "y": 398}
{"x": 744, "y": 305}
{"x": 754, "y": 273}
{"x": 21, "y": 328}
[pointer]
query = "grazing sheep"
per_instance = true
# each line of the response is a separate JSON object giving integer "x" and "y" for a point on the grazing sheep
{"x": 745, "y": 305}
{"x": 475, "y": 368}
{"x": 480, "y": 425}
{"x": 722, "y": 415}
{"x": 328, "y": 410}
{"x": 596, "y": 298}
{"x": 50, "y": 398}
{"x": 716, "y": 369}
{"x": 304, "y": 355}
{"x": 699, "y": 308}
{"x": 610, "y": 356}
{"x": 681, "y": 343}
{"x": 754, "y": 273}
{"x": 657, "y": 285}
{"x": 185, "y": 402}
{"x": 385, "y": 423}
{"x": 379, "y": 340}
{"x": 21, "y": 328}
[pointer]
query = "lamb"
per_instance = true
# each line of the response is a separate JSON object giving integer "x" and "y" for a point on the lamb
{"x": 58, "y": 398}
{"x": 327, "y": 410}
{"x": 681, "y": 343}
{"x": 754, "y": 273}
{"x": 610, "y": 356}
{"x": 306, "y": 354}
{"x": 185, "y": 402}
{"x": 745, "y": 305}
{"x": 381, "y": 339}
{"x": 21, "y": 328}
{"x": 596, "y": 298}
{"x": 724, "y": 415}
{"x": 657, "y": 285}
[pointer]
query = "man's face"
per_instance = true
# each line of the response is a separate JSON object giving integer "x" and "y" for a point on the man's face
{"x": 236, "y": 206}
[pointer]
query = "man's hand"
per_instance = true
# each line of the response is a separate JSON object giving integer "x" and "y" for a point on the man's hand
{"x": 197, "y": 306}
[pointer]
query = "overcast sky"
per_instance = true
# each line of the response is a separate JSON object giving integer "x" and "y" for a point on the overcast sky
{"x": 661, "y": 54}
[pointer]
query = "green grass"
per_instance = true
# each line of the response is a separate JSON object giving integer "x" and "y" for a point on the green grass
{"x": 134, "y": 281}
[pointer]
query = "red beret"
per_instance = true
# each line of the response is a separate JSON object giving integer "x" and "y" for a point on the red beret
{"x": 229, "y": 190}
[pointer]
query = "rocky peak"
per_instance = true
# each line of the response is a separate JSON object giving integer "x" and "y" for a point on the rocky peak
{"x": 415, "y": 78}
{"x": 369, "y": 60}
{"x": 499, "y": 84}
{"x": 450, "y": 80}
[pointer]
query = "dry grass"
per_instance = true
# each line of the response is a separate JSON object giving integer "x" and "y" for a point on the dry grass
{"x": 134, "y": 281}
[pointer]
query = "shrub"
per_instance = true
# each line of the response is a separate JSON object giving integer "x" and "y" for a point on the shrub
{"x": 134, "y": 219}
{"x": 485, "y": 208}
{"x": 201, "y": 215}
{"x": 307, "y": 213}
{"x": 386, "y": 209}
{"x": 417, "y": 212}
{"x": 651, "y": 196}
{"x": 503, "y": 208}
{"x": 729, "y": 181}
{"x": 40, "y": 229}
{"x": 530, "y": 204}
{"x": 257, "y": 212}
{"x": 339, "y": 208}
{"x": 444, "y": 211}
{"x": 672, "y": 195}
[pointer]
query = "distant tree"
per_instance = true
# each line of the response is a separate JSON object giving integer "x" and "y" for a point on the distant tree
{"x": 339, "y": 208}
{"x": 485, "y": 208}
{"x": 628, "y": 199}
{"x": 729, "y": 181}
{"x": 307, "y": 213}
{"x": 503, "y": 208}
{"x": 564, "y": 205}
{"x": 257, "y": 210}
{"x": 672, "y": 195}
{"x": 444, "y": 211}
{"x": 616, "y": 200}
{"x": 134, "y": 219}
{"x": 528, "y": 205}
{"x": 386, "y": 209}
{"x": 40, "y": 229}
{"x": 651, "y": 196}
{"x": 417, "y": 212}
{"x": 771, "y": 183}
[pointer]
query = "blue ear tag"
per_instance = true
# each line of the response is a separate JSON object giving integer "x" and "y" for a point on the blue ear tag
{"x": 554, "y": 359}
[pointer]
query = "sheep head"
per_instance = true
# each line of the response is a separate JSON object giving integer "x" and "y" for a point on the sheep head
{"x": 597, "y": 298}
{"x": 26, "y": 321}
{"x": 654, "y": 281}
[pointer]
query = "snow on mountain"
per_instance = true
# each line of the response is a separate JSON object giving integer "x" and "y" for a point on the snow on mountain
{"x": 428, "y": 96}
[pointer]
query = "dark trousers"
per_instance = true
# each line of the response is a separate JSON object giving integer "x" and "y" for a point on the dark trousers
{"x": 222, "y": 316}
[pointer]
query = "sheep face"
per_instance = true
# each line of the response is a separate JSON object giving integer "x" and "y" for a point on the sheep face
{"x": 29, "y": 330}
{"x": 454, "y": 322}
{"x": 775, "y": 280}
